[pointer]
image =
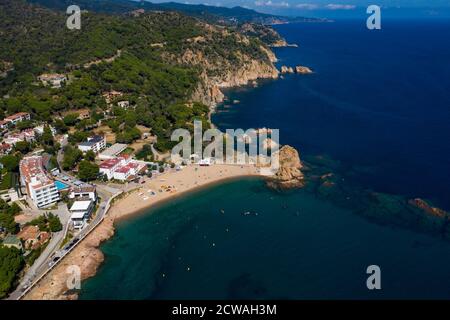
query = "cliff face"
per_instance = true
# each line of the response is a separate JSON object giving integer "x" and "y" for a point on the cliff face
{"x": 209, "y": 91}
{"x": 289, "y": 175}
{"x": 225, "y": 58}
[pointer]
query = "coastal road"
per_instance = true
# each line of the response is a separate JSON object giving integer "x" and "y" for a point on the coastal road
{"x": 41, "y": 263}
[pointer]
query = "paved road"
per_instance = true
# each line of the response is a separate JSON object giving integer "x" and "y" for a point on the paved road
{"x": 41, "y": 263}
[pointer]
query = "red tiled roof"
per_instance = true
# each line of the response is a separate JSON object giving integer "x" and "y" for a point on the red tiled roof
{"x": 110, "y": 163}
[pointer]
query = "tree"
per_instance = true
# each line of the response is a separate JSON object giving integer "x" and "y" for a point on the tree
{"x": 71, "y": 157}
{"x": 71, "y": 119}
{"x": 7, "y": 221}
{"x": 47, "y": 137}
{"x": 60, "y": 126}
{"x": 26, "y": 124}
{"x": 145, "y": 153}
{"x": 89, "y": 155}
{"x": 10, "y": 162}
{"x": 40, "y": 222}
{"x": 87, "y": 170}
{"x": 54, "y": 223}
{"x": 14, "y": 209}
{"x": 22, "y": 146}
{"x": 11, "y": 262}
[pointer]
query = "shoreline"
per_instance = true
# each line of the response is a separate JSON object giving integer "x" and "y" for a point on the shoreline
{"x": 160, "y": 202}
{"x": 87, "y": 255}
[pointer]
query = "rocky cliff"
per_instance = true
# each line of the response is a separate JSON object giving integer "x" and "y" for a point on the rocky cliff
{"x": 86, "y": 256}
{"x": 209, "y": 91}
{"x": 289, "y": 174}
{"x": 225, "y": 58}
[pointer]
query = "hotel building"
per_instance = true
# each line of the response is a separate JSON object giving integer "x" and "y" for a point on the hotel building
{"x": 40, "y": 187}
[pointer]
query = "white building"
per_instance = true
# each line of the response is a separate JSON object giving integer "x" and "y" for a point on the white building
{"x": 121, "y": 168}
{"x": 113, "y": 151}
{"x": 94, "y": 143}
{"x": 40, "y": 187}
{"x": 27, "y": 135}
{"x": 40, "y": 130}
{"x": 16, "y": 118}
{"x": 83, "y": 192}
{"x": 54, "y": 79}
{"x": 81, "y": 212}
{"x": 108, "y": 167}
{"x": 123, "y": 104}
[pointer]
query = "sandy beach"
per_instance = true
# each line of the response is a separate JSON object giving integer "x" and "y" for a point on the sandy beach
{"x": 169, "y": 185}
{"x": 161, "y": 188}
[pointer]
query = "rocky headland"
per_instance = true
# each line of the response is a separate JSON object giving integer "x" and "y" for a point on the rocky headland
{"x": 289, "y": 174}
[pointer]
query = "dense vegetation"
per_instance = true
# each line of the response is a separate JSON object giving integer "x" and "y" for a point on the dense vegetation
{"x": 215, "y": 14}
{"x": 47, "y": 222}
{"x": 11, "y": 263}
{"x": 7, "y": 213}
{"x": 144, "y": 62}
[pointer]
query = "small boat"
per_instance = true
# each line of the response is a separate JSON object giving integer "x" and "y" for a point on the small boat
{"x": 222, "y": 211}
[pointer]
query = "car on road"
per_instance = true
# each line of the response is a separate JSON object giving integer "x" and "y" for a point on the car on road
{"x": 54, "y": 260}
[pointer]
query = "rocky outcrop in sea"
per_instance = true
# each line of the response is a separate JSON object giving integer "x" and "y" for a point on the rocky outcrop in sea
{"x": 296, "y": 69}
{"x": 289, "y": 174}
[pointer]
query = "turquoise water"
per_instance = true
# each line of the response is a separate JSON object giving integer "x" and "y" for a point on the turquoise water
{"x": 60, "y": 185}
{"x": 372, "y": 128}
{"x": 296, "y": 247}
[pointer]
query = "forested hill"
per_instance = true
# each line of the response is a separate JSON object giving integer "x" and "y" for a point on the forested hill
{"x": 160, "y": 61}
{"x": 208, "y": 13}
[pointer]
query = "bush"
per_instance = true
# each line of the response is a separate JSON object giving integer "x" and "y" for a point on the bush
{"x": 11, "y": 263}
{"x": 87, "y": 170}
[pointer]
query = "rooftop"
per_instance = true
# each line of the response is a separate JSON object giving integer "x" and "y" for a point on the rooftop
{"x": 29, "y": 232}
{"x": 92, "y": 140}
{"x": 80, "y": 205}
{"x": 12, "y": 239}
{"x": 110, "y": 163}
{"x": 16, "y": 116}
{"x": 114, "y": 150}
{"x": 123, "y": 169}
{"x": 32, "y": 170}
{"x": 83, "y": 189}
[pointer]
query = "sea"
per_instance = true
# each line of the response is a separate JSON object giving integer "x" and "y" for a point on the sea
{"x": 372, "y": 126}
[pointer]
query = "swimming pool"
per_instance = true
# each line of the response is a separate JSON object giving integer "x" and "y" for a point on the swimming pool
{"x": 60, "y": 185}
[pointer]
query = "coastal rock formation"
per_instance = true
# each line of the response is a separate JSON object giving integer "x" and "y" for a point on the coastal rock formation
{"x": 427, "y": 208}
{"x": 297, "y": 69}
{"x": 279, "y": 43}
{"x": 209, "y": 88}
{"x": 86, "y": 256}
{"x": 289, "y": 175}
{"x": 302, "y": 70}
{"x": 242, "y": 62}
{"x": 285, "y": 69}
